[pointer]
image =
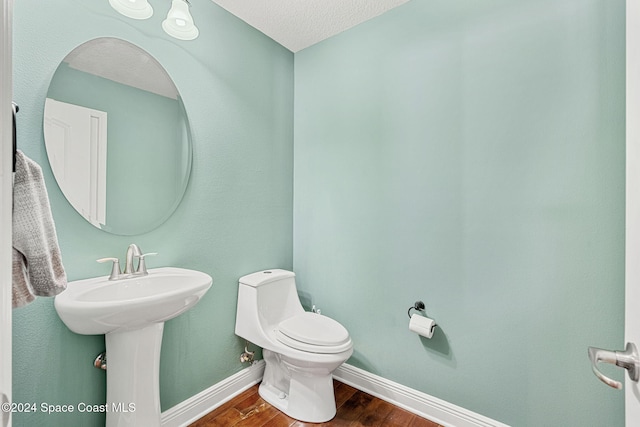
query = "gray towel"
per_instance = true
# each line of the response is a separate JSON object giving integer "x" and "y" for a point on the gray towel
{"x": 37, "y": 263}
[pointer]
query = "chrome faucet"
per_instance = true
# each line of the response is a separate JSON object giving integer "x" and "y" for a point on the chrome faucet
{"x": 133, "y": 251}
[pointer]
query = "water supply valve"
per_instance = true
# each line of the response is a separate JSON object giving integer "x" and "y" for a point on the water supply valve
{"x": 101, "y": 361}
{"x": 247, "y": 356}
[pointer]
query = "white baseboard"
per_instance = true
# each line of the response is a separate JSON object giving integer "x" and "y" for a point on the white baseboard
{"x": 197, "y": 406}
{"x": 422, "y": 404}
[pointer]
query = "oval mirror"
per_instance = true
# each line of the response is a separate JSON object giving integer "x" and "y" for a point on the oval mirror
{"x": 117, "y": 136}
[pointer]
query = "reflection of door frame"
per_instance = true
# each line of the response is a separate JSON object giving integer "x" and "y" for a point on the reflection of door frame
{"x": 6, "y": 195}
{"x": 76, "y": 142}
{"x": 632, "y": 234}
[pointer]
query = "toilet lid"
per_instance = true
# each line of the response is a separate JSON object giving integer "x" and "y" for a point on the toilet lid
{"x": 313, "y": 332}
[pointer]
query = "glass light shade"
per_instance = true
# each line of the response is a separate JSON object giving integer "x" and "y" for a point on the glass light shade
{"x": 136, "y": 9}
{"x": 179, "y": 23}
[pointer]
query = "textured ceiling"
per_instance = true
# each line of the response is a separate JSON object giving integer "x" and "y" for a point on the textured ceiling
{"x": 123, "y": 63}
{"x": 297, "y": 24}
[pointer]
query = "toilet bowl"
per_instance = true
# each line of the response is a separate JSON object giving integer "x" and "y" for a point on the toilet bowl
{"x": 301, "y": 349}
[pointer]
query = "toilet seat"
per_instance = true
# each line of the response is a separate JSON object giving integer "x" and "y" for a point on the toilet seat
{"x": 313, "y": 333}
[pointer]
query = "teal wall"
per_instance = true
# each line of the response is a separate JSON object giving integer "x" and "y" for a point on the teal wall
{"x": 235, "y": 218}
{"x": 143, "y": 130}
{"x": 470, "y": 154}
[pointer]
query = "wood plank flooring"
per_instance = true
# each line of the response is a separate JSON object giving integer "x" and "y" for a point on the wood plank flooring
{"x": 354, "y": 409}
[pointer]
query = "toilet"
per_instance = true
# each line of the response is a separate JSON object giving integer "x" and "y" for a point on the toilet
{"x": 301, "y": 349}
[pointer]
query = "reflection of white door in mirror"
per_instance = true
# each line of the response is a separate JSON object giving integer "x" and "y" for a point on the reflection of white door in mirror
{"x": 81, "y": 167}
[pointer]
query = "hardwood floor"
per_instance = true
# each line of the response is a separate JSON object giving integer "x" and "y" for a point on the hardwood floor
{"x": 355, "y": 409}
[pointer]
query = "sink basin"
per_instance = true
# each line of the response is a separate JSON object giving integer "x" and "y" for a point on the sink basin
{"x": 131, "y": 313}
{"x": 99, "y": 306}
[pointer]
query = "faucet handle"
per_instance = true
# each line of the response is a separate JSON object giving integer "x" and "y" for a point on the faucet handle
{"x": 142, "y": 265}
{"x": 115, "y": 268}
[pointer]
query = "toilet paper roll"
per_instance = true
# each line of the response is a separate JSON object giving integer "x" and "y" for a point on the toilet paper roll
{"x": 422, "y": 325}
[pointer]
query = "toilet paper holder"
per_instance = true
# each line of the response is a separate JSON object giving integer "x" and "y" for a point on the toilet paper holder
{"x": 419, "y": 306}
{"x": 420, "y": 323}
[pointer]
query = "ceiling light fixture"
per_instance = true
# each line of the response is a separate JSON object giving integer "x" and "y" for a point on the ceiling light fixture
{"x": 179, "y": 22}
{"x": 136, "y": 9}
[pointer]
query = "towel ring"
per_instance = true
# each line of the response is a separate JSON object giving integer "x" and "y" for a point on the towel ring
{"x": 15, "y": 110}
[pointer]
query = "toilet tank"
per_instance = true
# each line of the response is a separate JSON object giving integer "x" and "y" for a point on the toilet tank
{"x": 265, "y": 299}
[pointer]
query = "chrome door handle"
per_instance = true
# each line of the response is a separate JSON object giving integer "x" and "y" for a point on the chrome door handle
{"x": 627, "y": 359}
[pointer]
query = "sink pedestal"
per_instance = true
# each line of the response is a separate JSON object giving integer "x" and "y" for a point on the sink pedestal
{"x": 133, "y": 376}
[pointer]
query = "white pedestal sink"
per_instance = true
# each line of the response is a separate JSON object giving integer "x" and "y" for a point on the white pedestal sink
{"x": 131, "y": 313}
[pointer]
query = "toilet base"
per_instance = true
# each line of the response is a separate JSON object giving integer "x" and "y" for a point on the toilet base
{"x": 304, "y": 393}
